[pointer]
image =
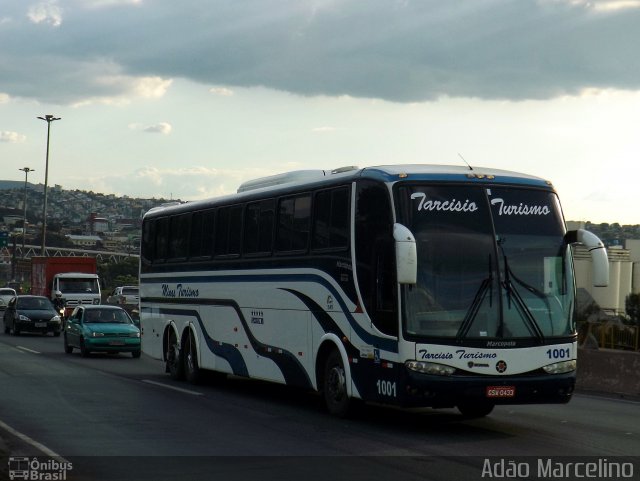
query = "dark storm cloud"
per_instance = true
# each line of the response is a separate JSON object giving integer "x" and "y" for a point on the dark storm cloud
{"x": 395, "y": 50}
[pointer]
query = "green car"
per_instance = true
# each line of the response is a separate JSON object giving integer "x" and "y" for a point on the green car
{"x": 101, "y": 328}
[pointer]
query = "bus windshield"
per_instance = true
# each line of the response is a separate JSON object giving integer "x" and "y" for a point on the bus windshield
{"x": 492, "y": 263}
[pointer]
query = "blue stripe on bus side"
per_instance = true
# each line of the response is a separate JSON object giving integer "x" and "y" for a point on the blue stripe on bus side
{"x": 385, "y": 344}
{"x": 226, "y": 351}
{"x": 291, "y": 369}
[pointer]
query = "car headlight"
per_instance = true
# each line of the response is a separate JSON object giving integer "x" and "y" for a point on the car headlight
{"x": 97, "y": 334}
{"x": 23, "y": 318}
{"x": 134, "y": 334}
{"x": 430, "y": 368}
{"x": 96, "y": 301}
{"x": 560, "y": 367}
{"x": 55, "y": 319}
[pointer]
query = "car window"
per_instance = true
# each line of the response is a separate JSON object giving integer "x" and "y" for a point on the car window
{"x": 34, "y": 303}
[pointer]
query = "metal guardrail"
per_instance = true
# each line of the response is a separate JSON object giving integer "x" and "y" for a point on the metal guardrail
{"x": 612, "y": 335}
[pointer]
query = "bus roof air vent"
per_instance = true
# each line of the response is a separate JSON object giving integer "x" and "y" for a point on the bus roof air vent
{"x": 347, "y": 168}
{"x": 279, "y": 179}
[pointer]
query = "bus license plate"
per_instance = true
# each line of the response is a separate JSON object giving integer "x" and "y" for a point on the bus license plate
{"x": 501, "y": 391}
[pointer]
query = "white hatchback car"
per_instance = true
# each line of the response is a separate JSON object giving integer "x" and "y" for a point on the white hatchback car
{"x": 6, "y": 294}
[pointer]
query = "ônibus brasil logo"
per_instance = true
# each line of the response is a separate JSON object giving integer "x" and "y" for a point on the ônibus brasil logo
{"x": 23, "y": 467}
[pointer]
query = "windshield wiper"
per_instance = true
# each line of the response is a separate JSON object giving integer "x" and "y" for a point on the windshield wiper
{"x": 524, "y": 311}
{"x": 472, "y": 312}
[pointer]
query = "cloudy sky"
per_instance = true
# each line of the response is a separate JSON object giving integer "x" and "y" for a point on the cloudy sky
{"x": 186, "y": 99}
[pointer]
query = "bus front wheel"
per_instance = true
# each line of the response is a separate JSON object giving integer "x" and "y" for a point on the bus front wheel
{"x": 334, "y": 385}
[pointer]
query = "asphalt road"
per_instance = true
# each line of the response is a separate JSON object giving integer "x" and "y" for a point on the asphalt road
{"x": 115, "y": 417}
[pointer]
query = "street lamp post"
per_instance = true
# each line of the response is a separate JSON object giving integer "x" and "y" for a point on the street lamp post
{"x": 48, "y": 119}
{"x": 26, "y": 171}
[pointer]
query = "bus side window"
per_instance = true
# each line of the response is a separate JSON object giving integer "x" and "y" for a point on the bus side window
{"x": 375, "y": 260}
{"x": 331, "y": 219}
{"x": 148, "y": 242}
{"x": 162, "y": 236}
{"x": 294, "y": 220}
{"x": 228, "y": 231}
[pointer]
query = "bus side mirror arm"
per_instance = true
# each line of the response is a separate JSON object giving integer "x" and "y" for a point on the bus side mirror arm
{"x": 598, "y": 254}
{"x": 406, "y": 255}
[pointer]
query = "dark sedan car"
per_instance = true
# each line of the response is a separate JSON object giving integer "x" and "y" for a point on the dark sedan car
{"x": 31, "y": 314}
{"x": 101, "y": 328}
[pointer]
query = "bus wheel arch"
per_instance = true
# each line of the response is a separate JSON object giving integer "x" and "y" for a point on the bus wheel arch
{"x": 333, "y": 377}
{"x": 172, "y": 353}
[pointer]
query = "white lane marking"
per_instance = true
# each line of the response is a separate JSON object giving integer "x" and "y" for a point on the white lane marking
{"x": 22, "y": 348}
{"x": 41, "y": 447}
{"x": 179, "y": 389}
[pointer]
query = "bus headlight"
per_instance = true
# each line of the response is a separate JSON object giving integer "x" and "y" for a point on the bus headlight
{"x": 430, "y": 368}
{"x": 560, "y": 367}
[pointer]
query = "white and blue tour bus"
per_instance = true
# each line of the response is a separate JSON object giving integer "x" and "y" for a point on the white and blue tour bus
{"x": 408, "y": 285}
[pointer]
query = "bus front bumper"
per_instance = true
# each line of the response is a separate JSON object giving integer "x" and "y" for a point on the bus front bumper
{"x": 425, "y": 390}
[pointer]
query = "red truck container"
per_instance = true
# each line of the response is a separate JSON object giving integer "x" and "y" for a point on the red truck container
{"x": 75, "y": 277}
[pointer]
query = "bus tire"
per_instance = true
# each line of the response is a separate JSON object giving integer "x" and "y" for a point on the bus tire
{"x": 173, "y": 355}
{"x": 334, "y": 386}
{"x": 477, "y": 409}
{"x": 192, "y": 370}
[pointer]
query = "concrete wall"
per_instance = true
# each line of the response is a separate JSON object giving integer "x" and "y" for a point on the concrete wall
{"x": 609, "y": 371}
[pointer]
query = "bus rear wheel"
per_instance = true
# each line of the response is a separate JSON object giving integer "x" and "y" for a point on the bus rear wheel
{"x": 475, "y": 410}
{"x": 174, "y": 363}
{"x": 191, "y": 368}
{"x": 334, "y": 386}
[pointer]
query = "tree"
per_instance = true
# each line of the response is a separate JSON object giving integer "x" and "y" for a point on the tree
{"x": 632, "y": 307}
{"x": 118, "y": 274}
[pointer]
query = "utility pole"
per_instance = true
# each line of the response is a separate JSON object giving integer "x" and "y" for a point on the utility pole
{"x": 48, "y": 119}
{"x": 26, "y": 171}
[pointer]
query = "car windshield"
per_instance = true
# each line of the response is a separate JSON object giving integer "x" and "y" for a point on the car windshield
{"x": 106, "y": 316}
{"x": 34, "y": 304}
{"x": 492, "y": 263}
{"x": 130, "y": 291}
{"x": 7, "y": 292}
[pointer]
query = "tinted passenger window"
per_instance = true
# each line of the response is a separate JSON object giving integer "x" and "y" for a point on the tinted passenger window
{"x": 229, "y": 231}
{"x": 258, "y": 227}
{"x": 294, "y": 216}
{"x": 179, "y": 231}
{"x": 331, "y": 219}
{"x": 148, "y": 240}
{"x": 162, "y": 236}
{"x": 202, "y": 225}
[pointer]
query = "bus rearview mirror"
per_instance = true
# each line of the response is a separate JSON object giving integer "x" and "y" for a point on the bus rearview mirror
{"x": 406, "y": 255}
{"x": 599, "y": 258}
